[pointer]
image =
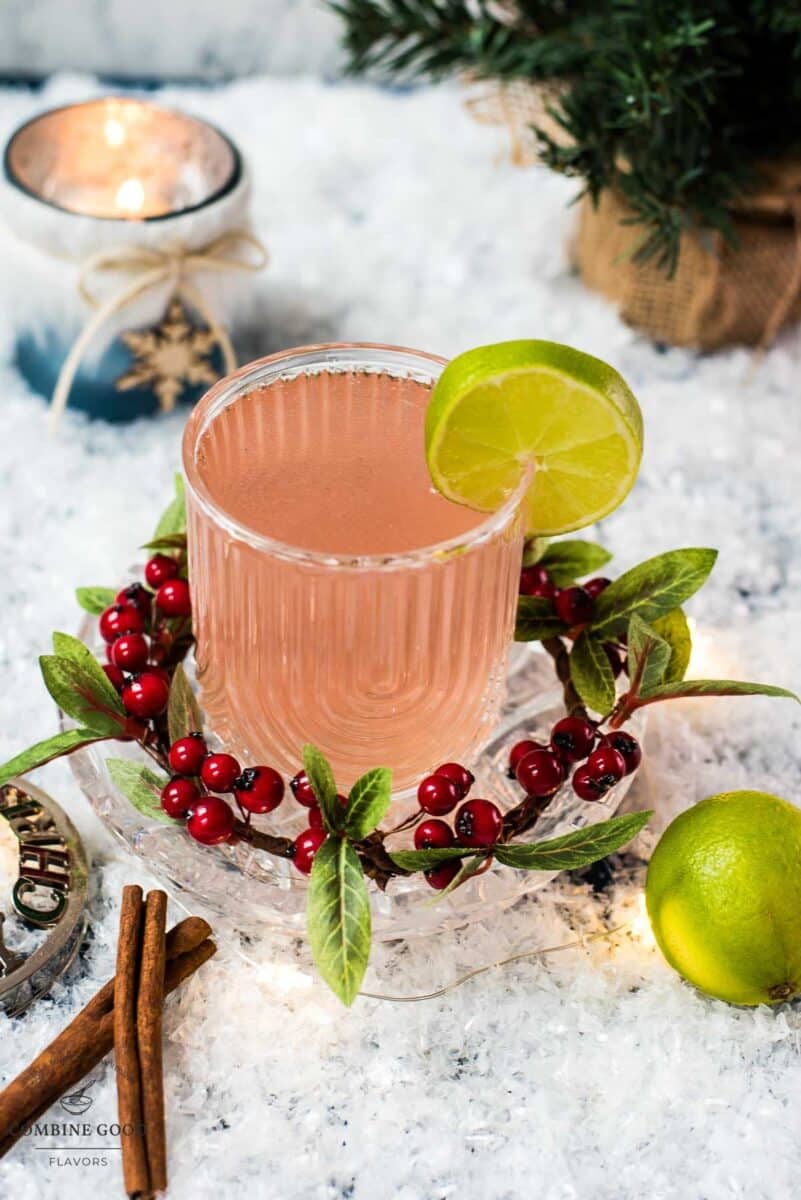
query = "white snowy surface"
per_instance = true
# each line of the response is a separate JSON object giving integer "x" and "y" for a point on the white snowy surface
{"x": 596, "y": 1072}
{"x": 185, "y": 39}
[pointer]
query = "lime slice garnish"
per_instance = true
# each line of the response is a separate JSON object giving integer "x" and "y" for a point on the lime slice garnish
{"x": 498, "y": 410}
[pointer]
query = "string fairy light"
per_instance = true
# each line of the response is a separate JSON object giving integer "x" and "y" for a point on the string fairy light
{"x": 576, "y": 944}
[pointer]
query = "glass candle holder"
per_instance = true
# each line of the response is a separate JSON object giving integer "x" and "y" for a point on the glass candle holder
{"x": 121, "y": 158}
{"x": 338, "y": 599}
{"x": 133, "y": 236}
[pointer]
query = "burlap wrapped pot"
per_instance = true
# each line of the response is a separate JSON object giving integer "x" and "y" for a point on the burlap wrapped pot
{"x": 721, "y": 294}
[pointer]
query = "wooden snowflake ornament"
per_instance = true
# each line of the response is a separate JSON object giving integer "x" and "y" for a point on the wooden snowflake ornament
{"x": 169, "y": 357}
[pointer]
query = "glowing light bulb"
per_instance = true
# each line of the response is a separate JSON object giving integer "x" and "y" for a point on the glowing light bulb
{"x": 114, "y": 131}
{"x": 641, "y": 925}
{"x": 130, "y": 196}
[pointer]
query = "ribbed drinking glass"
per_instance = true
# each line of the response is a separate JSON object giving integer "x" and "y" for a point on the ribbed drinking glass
{"x": 338, "y": 598}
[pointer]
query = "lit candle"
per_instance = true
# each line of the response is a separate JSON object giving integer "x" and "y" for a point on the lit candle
{"x": 121, "y": 158}
{"x": 149, "y": 209}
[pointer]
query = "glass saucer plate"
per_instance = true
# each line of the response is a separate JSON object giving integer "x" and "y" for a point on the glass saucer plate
{"x": 251, "y": 891}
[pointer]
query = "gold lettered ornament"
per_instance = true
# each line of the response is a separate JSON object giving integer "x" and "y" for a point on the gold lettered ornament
{"x": 47, "y": 862}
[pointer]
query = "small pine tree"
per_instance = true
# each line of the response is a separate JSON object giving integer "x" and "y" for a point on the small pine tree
{"x": 673, "y": 104}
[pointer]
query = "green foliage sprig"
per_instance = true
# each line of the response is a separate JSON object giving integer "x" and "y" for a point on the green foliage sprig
{"x": 338, "y": 907}
{"x": 639, "y": 615}
{"x": 673, "y": 105}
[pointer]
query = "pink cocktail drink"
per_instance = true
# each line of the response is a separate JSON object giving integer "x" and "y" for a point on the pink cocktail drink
{"x": 338, "y": 598}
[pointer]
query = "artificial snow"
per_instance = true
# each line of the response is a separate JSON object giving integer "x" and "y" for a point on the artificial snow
{"x": 594, "y": 1072}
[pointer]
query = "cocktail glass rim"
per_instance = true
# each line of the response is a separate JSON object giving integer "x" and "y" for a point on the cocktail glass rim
{"x": 333, "y": 357}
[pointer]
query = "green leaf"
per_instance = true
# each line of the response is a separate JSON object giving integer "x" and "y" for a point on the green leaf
{"x": 141, "y": 786}
{"x": 173, "y": 519}
{"x": 72, "y": 648}
{"x": 338, "y": 914}
{"x": 591, "y": 674}
{"x": 183, "y": 712}
{"x": 44, "y": 752}
{"x": 533, "y": 550}
{"x": 74, "y": 691}
{"x": 323, "y": 784}
{"x": 651, "y": 589}
{"x": 685, "y": 688}
{"x": 536, "y": 620}
{"x": 470, "y": 867}
{"x": 424, "y": 860}
{"x": 573, "y": 559}
{"x": 649, "y": 656}
{"x": 673, "y": 627}
{"x": 95, "y": 600}
{"x": 170, "y": 542}
{"x": 576, "y": 849}
{"x": 369, "y": 799}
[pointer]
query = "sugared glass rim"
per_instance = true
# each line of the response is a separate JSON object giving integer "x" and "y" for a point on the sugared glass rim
{"x": 224, "y": 189}
{"x": 332, "y": 357}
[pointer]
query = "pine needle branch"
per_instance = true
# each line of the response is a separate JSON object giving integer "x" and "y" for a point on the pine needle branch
{"x": 673, "y": 104}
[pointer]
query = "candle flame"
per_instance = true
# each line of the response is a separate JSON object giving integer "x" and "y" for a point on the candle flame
{"x": 130, "y": 196}
{"x": 115, "y": 132}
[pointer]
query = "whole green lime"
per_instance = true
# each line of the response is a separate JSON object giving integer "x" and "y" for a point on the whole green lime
{"x": 724, "y": 897}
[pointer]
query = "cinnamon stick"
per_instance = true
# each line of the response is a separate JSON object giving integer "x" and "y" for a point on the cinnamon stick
{"x": 89, "y": 1037}
{"x": 126, "y": 1054}
{"x": 149, "y": 1005}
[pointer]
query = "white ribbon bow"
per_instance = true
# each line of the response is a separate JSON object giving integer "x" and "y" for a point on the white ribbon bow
{"x": 152, "y": 267}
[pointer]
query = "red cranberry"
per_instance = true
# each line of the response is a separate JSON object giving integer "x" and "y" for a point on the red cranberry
{"x": 160, "y": 673}
{"x": 136, "y": 595}
{"x": 574, "y": 606}
{"x": 130, "y": 652}
{"x": 316, "y": 818}
{"x": 533, "y": 579}
{"x": 439, "y": 877}
{"x": 211, "y": 821}
{"x": 159, "y": 569}
{"x": 627, "y": 747}
{"x": 595, "y": 586}
{"x": 606, "y": 765}
{"x": 460, "y": 775}
{"x": 173, "y": 598}
{"x": 438, "y": 795}
{"x": 146, "y": 695}
{"x": 478, "y": 823}
{"x": 586, "y": 786}
{"x": 119, "y": 619}
{"x": 178, "y": 796}
{"x": 305, "y": 847}
{"x": 302, "y": 790}
{"x": 259, "y": 789}
{"x": 572, "y": 738}
{"x": 115, "y": 676}
{"x": 519, "y": 752}
{"x": 433, "y": 835}
{"x": 220, "y": 772}
{"x": 540, "y": 773}
{"x": 187, "y": 754}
